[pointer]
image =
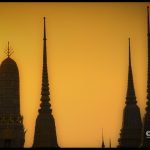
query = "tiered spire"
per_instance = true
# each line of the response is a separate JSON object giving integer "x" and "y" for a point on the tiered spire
{"x": 148, "y": 81}
{"x": 146, "y": 140}
{"x": 45, "y": 130}
{"x": 130, "y": 98}
{"x": 130, "y": 135}
{"x": 45, "y": 105}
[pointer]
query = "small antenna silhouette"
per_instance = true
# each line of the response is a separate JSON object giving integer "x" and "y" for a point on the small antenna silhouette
{"x": 103, "y": 144}
{"x": 8, "y": 51}
{"x": 109, "y": 143}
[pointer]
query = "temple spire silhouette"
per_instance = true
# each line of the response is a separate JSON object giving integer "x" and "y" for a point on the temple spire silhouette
{"x": 45, "y": 130}
{"x": 130, "y": 98}
{"x": 130, "y": 135}
{"x": 146, "y": 124}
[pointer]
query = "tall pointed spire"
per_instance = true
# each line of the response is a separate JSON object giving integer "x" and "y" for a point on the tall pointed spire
{"x": 130, "y": 98}
{"x": 146, "y": 124}
{"x": 130, "y": 135}
{"x": 148, "y": 81}
{"x": 45, "y": 130}
{"x": 45, "y": 105}
{"x": 103, "y": 144}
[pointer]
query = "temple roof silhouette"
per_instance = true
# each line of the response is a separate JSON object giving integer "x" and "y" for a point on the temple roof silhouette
{"x": 9, "y": 66}
{"x": 11, "y": 122}
{"x": 9, "y": 86}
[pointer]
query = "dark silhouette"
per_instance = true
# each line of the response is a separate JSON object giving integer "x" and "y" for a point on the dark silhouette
{"x": 146, "y": 124}
{"x": 110, "y": 143}
{"x": 103, "y": 144}
{"x": 11, "y": 122}
{"x": 45, "y": 131}
{"x": 130, "y": 135}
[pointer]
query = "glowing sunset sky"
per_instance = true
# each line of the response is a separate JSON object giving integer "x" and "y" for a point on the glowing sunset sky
{"x": 87, "y": 46}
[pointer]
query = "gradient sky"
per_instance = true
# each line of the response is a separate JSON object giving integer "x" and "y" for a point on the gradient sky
{"x": 87, "y": 46}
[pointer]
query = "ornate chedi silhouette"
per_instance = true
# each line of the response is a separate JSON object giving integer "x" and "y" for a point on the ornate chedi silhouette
{"x": 130, "y": 135}
{"x": 146, "y": 123}
{"x": 45, "y": 131}
{"x": 11, "y": 122}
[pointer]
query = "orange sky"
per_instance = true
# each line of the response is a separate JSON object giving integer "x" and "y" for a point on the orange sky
{"x": 87, "y": 46}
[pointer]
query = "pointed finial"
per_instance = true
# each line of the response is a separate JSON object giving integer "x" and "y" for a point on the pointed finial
{"x": 44, "y": 44}
{"x": 148, "y": 18}
{"x": 9, "y": 51}
{"x": 8, "y": 44}
{"x": 44, "y": 29}
{"x": 129, "y": 53}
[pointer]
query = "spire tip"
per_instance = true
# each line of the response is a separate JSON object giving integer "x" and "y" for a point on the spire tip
{"x": 8, "y": 44}
{"x": 129, "y": 44}
{"x": 9, "y": 51}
